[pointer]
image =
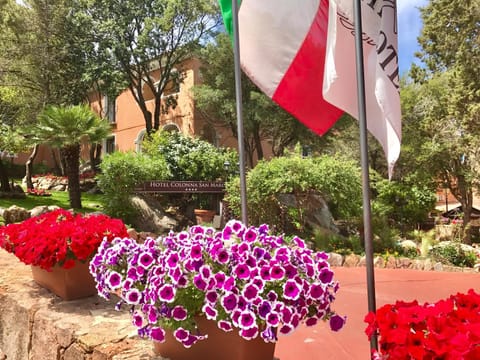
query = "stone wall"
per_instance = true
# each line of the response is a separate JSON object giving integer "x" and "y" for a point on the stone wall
{"x": 36, "y": 325}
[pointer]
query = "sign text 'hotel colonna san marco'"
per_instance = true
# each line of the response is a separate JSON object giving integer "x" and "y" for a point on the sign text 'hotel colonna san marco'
{"x": 160, "y": 186}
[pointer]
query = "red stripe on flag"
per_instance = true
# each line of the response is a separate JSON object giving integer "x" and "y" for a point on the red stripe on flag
{"x": 300, "y": 91}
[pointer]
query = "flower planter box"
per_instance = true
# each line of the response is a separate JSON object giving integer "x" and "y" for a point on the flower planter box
{"x": 69, "y": 284}
{"x": 219, "y": 345}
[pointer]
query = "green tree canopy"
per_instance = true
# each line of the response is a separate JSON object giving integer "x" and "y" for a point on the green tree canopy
{"x": 141, "y": 45}
{"x": 441, "y": 106}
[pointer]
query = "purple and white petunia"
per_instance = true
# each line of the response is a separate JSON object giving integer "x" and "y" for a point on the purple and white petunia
{"x": 114, "y": 280}
{"x": 243, "y": 278}
{"x": 179, "y": 313}
{"x": 157, "y": 334}
{"x": 166, "y": 293}
{"x": 133, "y": 297}
{"x": 247, "y": 319}
{"x": 291, "y": 290}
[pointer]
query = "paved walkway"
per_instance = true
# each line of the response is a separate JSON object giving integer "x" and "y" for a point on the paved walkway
{"x": 319, "y": 343}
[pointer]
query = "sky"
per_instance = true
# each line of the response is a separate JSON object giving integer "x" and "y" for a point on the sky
{"x": 409, "y": 26}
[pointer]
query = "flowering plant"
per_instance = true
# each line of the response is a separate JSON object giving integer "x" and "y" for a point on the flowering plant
{"x": 447, "y": 329}
{"x": 38, "y": 192}
{"x": 242, "y": 278}
{"x": 59, "y": 237}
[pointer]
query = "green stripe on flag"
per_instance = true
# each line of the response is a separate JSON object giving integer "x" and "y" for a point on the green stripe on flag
{"x": 226, "y": 8}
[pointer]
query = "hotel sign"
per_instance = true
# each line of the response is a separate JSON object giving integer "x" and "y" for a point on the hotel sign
{"x": 165, "y": 187}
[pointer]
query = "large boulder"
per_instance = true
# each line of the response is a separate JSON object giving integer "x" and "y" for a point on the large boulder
{"x": 316, "y": 213}
{"x": 15, "y": 214}
{"x": 150, "y": 216}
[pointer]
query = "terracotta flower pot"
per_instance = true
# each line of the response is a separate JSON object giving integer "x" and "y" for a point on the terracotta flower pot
{"x": 204, "y": 216}
{"x": 69, "y": 284}
{"x": 219, "y": 345}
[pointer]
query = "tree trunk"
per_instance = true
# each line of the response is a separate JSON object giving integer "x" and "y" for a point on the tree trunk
{"x": 71, "y": 154}
{"x": 29, "y": 167}
{"x": 258, "y": 144}
{"x": 58, "y": 170}
{"x": 95, "y": 154}
{"x": 4, "y": 183}
{"x": 63, "y": 165}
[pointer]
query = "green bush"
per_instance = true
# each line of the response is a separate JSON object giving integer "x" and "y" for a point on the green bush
{"x": 332, "y": 242}
{"x": 338, "y": 181}
{"x": 120, "y": 172}
{"x": 453, "y": 254}
{"x": 190, "y": 158}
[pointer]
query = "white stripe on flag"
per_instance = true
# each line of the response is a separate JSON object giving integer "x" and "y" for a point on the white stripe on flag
{"x": 381, "y": 69}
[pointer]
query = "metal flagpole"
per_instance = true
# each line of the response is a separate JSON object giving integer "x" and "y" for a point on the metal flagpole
{"x": 365, "y": 166}
{"x": 238, "y": 92}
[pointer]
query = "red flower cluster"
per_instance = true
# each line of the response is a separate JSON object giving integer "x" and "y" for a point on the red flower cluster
{"x": 448, "y": 329}
{"x": 59, "y": 237}
{"x": 38, "y": 192}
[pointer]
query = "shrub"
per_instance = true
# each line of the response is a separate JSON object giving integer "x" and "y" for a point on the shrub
{"x": 331, "y": 242}
{"x": 454, "y": 254}
{"x": 189, "y": 158}
{"x": 336, "y": 180}
{"x": 120, "y": 172}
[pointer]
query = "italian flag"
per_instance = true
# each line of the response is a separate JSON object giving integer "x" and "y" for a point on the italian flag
{"x": 302, "y": 55}
{"x": 282, "y": 47}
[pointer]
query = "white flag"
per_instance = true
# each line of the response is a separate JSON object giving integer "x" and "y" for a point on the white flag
{"x": 380, "y": 52}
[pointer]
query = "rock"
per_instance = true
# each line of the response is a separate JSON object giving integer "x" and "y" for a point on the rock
{"x": 404, "y": 263}
{"x": 74, "y": 352}
{"x": 391, "y": 262}
{"x": 408, "y": 244}
{"x": 39, "y": 210}
{"x": 315, "y": 210}
{"x": 363, "y": 261}
{"x": 351, "y": 260}
{"x": 379, "y": 262}
{"x": 418, "y": 264}
{"x": 427, "y": 265}
{"x": 15, "y": 214}
{"x": 335, "y": 259}
{"x": 150, "y": 217}
{"x": 438, "y": 266}
{"x": 132, "y": 233}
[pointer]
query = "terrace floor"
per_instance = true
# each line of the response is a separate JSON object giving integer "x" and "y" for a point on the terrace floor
{"x": 351, "y": 343}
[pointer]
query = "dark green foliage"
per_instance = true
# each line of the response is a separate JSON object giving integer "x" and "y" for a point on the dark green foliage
{"x": 338, "y": 181}
{"x": 120, "y": 172}
{"x": 405, "y": 204}
{"x": 190, "y": 158}
{"x": 454, "y": 254}
{"x": 331, "y": 242}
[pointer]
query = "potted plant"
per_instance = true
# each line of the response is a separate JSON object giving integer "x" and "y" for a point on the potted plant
{"x": 58, "y": 245}
{"x": 200, "y": 283}
{"x": 447, "y": 329}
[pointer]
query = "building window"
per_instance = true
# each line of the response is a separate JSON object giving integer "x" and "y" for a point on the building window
{"x": 138, "y": 141}
{"x": 110, "y": 145}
